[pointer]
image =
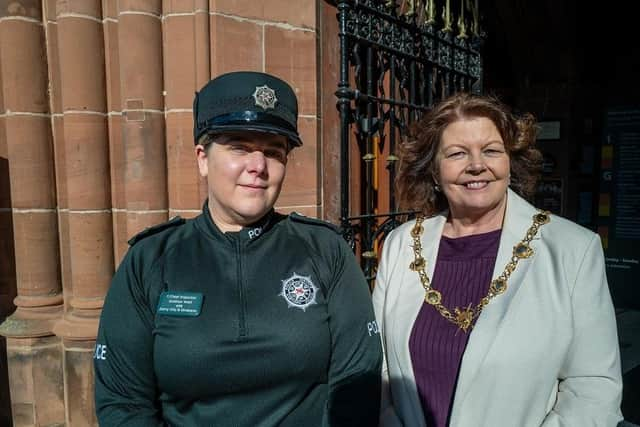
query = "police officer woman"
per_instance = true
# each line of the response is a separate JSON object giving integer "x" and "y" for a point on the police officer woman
{"x": 241, "y": 316}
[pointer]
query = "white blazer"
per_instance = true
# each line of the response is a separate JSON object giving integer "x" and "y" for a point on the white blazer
{"x": 544, "y": 353}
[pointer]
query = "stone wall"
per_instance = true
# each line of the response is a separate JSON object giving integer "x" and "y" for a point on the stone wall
{"x": 96, "y": 144}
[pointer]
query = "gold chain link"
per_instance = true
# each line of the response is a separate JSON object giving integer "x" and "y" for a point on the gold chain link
{"x": 464, "y": 317}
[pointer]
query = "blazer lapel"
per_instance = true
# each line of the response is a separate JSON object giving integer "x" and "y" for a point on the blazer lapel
{"x": 410, "y": 300}
{"x": 518, "y": 218}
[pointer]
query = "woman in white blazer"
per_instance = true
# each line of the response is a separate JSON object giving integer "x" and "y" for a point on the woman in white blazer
{"x": 492, "y": 312}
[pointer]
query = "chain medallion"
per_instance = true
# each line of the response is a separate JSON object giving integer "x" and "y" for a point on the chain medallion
{"x": 463, "y": 318}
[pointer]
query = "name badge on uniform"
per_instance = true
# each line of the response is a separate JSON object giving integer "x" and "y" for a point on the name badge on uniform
{"x": 185, "y": 304}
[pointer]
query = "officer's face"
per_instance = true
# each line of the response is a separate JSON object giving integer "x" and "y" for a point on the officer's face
{"x": 244, "y": 173}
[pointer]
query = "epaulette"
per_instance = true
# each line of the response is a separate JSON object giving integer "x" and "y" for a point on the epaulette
{"x": 150, "y": 231}
{"x": 295, "y": 216}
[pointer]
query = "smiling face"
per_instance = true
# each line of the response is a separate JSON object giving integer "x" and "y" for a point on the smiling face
{"x": 244, "y": 174}
{"x": 473, "y": 168}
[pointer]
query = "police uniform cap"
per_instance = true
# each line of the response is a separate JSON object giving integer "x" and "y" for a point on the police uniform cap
{"x": 246, "y": 101}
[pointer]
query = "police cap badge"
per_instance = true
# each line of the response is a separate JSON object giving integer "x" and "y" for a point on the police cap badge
{"x": 246, "y": 101}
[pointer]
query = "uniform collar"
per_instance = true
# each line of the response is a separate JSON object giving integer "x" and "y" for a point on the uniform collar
{"x": 246, "y": 234}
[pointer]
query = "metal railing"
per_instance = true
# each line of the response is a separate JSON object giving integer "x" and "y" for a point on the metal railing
{"x": 397, "y": 57}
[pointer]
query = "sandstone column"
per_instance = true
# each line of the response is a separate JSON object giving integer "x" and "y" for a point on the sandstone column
{"x": 140, "y": 170}
{"x": 114, "y": 119}
{"x": 329, "y": 119}
{"x": 186, "y": 69}
{"x": 89, "y": 239}
{"x": 7, "y": 263}
{"x": 34, "y": 358}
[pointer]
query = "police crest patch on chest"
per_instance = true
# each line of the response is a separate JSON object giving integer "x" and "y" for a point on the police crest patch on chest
{"x": 299, "y": 291}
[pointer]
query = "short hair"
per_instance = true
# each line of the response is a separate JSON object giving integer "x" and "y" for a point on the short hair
{"x": 418, "y": 154}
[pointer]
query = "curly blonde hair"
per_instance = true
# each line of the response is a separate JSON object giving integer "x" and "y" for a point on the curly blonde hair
{"x": 418, "y": 155}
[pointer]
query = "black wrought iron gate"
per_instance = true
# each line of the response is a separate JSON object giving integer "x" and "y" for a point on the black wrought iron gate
{"x": 397, "y": 58}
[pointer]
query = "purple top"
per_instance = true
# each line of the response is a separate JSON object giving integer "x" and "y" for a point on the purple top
{"x": 462, "y": 274}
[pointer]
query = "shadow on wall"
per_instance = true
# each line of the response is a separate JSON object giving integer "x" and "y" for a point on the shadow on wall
{"x": 7, "y": 285}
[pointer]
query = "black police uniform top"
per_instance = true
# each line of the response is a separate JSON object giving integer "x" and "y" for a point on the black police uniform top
{"x": 285, "y": 334}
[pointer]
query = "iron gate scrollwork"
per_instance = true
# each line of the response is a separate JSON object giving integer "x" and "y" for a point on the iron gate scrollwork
{"x": 398, "y": 57}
